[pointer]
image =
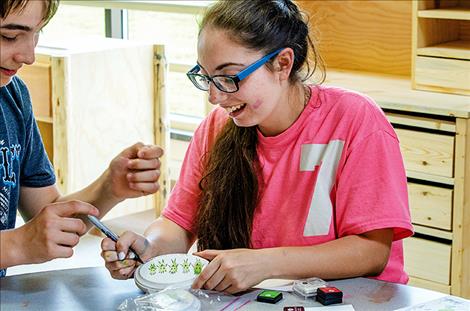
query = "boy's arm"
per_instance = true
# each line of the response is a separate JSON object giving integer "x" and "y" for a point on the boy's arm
{"x": 52, "y": 226}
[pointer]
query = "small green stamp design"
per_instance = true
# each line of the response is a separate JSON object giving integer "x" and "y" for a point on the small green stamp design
{"x": 152, "y": 269}
{"x": 198, "y": 267}
{"x": 186, "y": 265}
{"x": 173, "y": 266}
{"x": 161, "y": 266}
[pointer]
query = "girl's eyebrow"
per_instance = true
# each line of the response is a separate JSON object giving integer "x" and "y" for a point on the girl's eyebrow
{"x": 222, "y": 66}
{"x": 16, "y": 27}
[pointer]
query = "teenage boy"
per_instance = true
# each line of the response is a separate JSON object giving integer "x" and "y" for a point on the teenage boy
{"x": 54, "y": 222}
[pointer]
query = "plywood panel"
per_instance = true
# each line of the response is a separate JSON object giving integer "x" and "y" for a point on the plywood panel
{"x": 363, "y": 35}
{"x": 427, "y": 260}
{"x": 110, "y": 107}
{"x": 45, "y": 128}
{"x": 38, "y": 79}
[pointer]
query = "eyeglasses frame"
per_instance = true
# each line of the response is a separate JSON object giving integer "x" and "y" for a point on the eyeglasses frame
{"x": 235, "y": 78}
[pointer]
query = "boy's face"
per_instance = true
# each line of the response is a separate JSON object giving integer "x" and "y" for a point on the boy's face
{"x": 19, "y": 33}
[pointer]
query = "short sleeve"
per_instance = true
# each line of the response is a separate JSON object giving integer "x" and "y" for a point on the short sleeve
{"x": 372, "y": 191}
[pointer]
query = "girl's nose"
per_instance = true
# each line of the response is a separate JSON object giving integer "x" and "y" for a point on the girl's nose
{"x": 215, "y": 95}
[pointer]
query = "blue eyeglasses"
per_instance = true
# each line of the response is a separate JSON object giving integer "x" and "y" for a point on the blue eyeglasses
{"x": 226, "y": 83}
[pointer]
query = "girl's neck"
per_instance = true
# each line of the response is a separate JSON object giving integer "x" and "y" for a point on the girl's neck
{"x": 295, "y": 100}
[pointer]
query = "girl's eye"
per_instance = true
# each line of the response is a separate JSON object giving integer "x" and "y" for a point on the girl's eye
{"x": 8, "y": 38}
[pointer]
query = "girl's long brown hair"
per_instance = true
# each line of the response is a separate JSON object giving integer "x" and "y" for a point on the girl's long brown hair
{"x": 230, "y": 187}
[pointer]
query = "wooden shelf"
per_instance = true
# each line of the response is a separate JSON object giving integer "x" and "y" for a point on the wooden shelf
{"x": 433, "y": 232}
{"x": 447, "y": 13}
{"x": 454, "y": 49}
{"x": 393, "y": 92}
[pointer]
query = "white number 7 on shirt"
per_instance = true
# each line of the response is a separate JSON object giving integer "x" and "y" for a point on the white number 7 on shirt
{"x": 326, "y": 157}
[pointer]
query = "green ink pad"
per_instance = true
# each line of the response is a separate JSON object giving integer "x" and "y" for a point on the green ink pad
{"x": 269, "y": 296}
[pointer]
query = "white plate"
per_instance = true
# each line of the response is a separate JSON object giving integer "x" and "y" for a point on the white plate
{"x": 175, "y": 270}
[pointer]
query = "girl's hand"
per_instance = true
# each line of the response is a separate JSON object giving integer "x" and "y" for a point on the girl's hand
{"x": 119, "y": 260}
{"x": 232, "y": 271}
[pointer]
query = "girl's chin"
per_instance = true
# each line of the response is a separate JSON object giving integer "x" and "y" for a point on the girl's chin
{"x": 241, "y": 123}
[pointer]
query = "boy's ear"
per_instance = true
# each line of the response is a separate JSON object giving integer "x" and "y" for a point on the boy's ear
{"x": 284, "y": 62}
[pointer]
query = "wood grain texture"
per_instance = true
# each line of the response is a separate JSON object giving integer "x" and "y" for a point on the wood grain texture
{"x": 431, "y": 206}
{"x": 435, "y": 267}
{"x": 38, "y": 80}
{"x": 441, "y": 46}
{"x": 363, "y": 35}
{"x": 459, "y": 49}
{"x": 110, "y": 107}
{"x": 421, "y": 122}
{"x": 443, "y": 74}
{"x": 461, "y": 212}
{"x": 394, "y": 92}
{"x": 59, "y": 74}
{"x": 103, "y": 99}
{"x": 443, "y": 234}
{"x": 161, "y": 125}
{"x": 45, "y": 128}
{"x": 427, "y": 152}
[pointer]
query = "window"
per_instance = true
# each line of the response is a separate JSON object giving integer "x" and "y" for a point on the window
{"x": 172, "y": 23}
{"x": 72, "y": 20}
{"x": 178, "y": 32}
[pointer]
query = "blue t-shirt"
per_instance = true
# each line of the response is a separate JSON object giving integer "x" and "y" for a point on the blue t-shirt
{"x": 23, "y": 159}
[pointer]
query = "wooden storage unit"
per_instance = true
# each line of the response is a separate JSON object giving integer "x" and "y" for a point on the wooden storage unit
{"x": 441, "y": 46}
{"x": 92, "y": 98}
{"x": 434, "y": 133}
{"x": 381, "y": 48}
{"x": 371, "y": 35}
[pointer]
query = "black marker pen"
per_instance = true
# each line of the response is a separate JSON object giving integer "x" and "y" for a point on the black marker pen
{"x": 113, "y": 236}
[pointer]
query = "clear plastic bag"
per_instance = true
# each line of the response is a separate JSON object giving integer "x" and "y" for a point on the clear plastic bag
{"x": 179, "y": 299}
{"x": 171, "y": 299}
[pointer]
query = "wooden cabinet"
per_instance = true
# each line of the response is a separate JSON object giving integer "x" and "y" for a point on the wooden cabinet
{"x": 384, "y": 49}
{"x": 434, "y": 134}
{"x": 92, "y": 98}
{"x": 441, "y": 46}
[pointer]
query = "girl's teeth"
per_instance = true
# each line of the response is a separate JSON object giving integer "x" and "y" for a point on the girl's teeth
{"x": 234, "y": 108}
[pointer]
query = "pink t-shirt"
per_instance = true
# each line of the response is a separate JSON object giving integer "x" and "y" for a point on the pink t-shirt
{"x": 336, "y": 171}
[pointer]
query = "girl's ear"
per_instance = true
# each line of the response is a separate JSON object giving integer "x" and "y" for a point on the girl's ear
{"x": 284, "y": 62}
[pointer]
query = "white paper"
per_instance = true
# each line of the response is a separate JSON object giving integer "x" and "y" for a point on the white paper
{"x": 282, "y": 285}
{"x": 447, "y": 303}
